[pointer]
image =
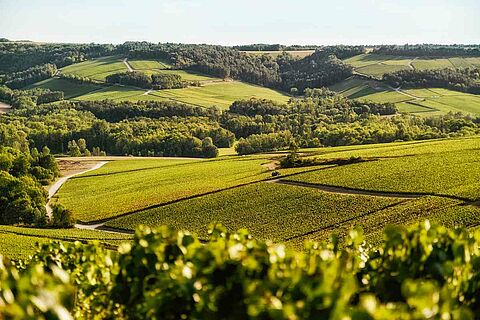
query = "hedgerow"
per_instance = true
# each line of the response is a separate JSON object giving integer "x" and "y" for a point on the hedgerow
{"x": 425, "y": 272}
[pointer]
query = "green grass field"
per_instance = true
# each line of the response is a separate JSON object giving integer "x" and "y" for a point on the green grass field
{"x": 71, "y": 89}
{"x": 428, "y": 102}
{"x": 269, "y": 211}
{"x": 96, "y": 69}
{"x": 425, "y": 102}
{"x": 139, "y": 64}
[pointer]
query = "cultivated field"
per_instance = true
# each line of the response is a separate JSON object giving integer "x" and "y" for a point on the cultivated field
{"x": 221, "y": 94}
{"x": 212, "y": 92}
{"x": 71, "y": 89}
{"x": 376, "y": 65}
{"x": 19, "y": 243}
{"x": 295, "y": 53}
{"x": 96, "y": 69}
{"x": 130, "y": 186}
{"x": 426, "y": 102}
{"x": 400, "y": 183}
{"x": 268, "y": 210}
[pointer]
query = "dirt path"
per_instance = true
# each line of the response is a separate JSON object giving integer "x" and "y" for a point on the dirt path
{"x": 53, "y": 189}
{"x": 399, "y": 90}
{"x": 146, "y": 93}
{"x": 129, "y": 67}
{"x": 410, "y": 63}
{"x": 349, "y": 191}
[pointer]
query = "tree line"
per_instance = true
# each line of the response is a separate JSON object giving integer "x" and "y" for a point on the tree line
{"x": 18, "y": 56}
{"x": 28, "y": 98}
{"x": 464, "y": 80}
{"x": 155, "y": 81}
{"x": 429, "y": 50}
{"x": 320, "y": 118}
{"x": 284, "y": 72}
{"x": 20, "y": 79}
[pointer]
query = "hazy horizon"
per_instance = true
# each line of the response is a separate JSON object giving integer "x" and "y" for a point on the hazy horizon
{"x": 304, "y": 22}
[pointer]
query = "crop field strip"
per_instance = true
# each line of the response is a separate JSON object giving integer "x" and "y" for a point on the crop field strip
{"x": 107, "y": 196}
{"x": 270, "y": 211}
{"x": 443, "y": 174}
{"x": 428, "y": 102}
{"x": 376, "y": 65}
{"x": 214, "y": 91}
{"x": 96, "y": 69}
{"x": 20, "y": 242}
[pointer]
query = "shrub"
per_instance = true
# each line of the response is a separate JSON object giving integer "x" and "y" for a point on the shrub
{"x": 62, "y": 217}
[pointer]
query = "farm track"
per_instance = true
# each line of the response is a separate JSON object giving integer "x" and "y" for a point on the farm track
{"x": 58, "y": 184}
{"x": 349, "y": 191}
{"x": 127, "y": 64}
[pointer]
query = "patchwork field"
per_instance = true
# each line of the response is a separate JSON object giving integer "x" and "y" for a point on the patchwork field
{"x": 212, "y": 92}
{"x": 220, "y": 94}
{"x": 295, "y": 53}
{"x": 376, "y": 65}
{"x": 130, "y": 186}
{"x": 450, "y": 173}
{"x": 400, "y": 183}
{"x": 268, "y": 210}
{"x": 426, "y": 102}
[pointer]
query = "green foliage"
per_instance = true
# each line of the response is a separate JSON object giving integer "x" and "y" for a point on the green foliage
{"x": 425, "y": 272}
{"x": 34, "y": 293}
{"x": 22, "y": 198}
{"x": 270, "y": 211}
{"x": 62, "y": 217}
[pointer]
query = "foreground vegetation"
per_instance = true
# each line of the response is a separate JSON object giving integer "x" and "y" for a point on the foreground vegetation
{"x": 424, "y": 272}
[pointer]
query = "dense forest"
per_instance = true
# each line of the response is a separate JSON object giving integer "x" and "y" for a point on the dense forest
{"x": 285, "y": 72}
{"x": 155, "y": 81}
{"x": 20, "y": 79}
{"x": 320, "y": 118}
{"x": 18, "y": 56}
{"x": 465, "y": 80}
{"x": 26, "y": 98}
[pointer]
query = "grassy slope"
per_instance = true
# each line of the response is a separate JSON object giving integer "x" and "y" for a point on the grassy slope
{"x": 96, "y": 69}
{"x": 426, "y": 102}
{"x": 214, "y": 91}
{"x": 220, "y": 94}
{"x": 269, "y": 211}
{"x": 376, "y": 65}
{"x": 452, "y": 173}
{"x": 98, "y": 197}
{"x": 70, "y": 88}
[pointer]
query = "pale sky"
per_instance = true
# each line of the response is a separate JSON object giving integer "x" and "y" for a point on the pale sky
{"x": 243, "y": 21}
